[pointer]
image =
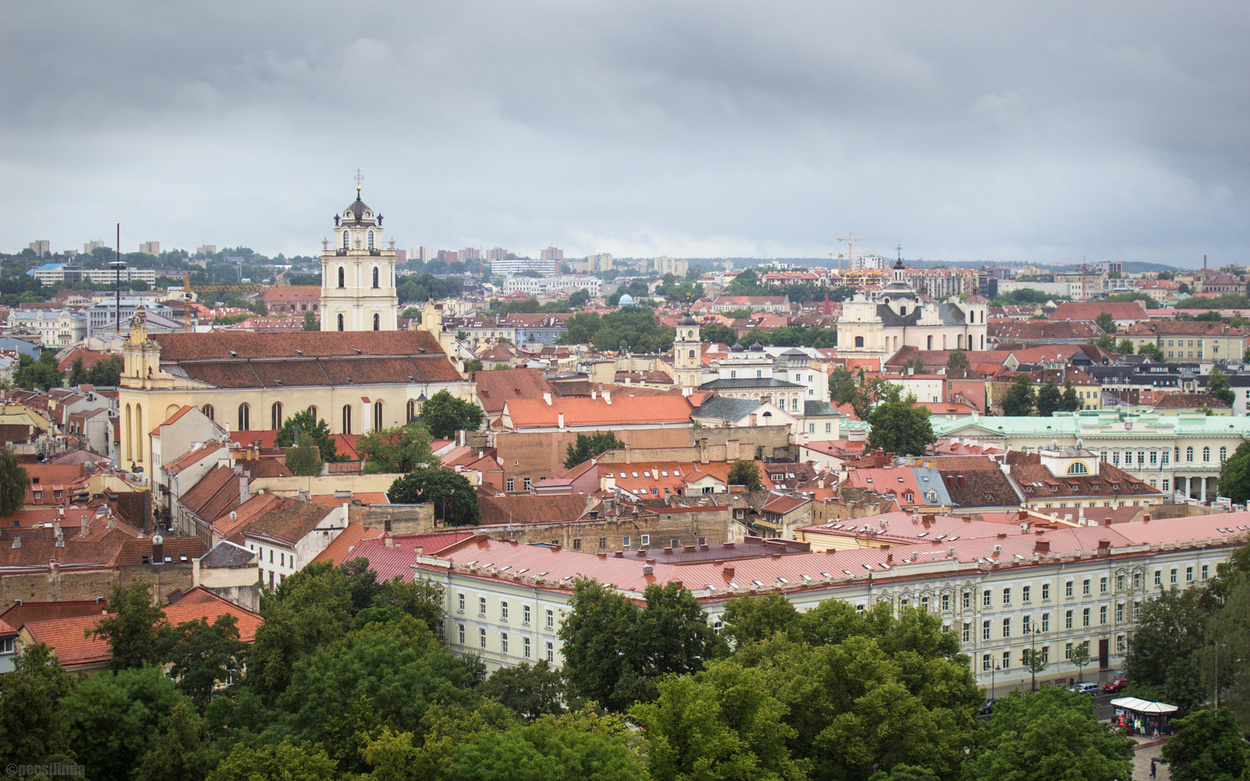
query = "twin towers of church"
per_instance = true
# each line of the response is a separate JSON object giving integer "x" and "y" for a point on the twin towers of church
{"x": 358, "y": 273}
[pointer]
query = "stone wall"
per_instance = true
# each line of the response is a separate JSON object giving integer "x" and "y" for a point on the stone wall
{"x": 56, "y": 584}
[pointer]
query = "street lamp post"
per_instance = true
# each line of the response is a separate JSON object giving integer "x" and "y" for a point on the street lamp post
{"x": 993, "y": 670}
{"x": 1033, "y": 661}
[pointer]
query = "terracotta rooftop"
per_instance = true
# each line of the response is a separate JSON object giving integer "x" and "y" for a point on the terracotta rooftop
{"x": 287, "y": 520}
{"x": 1120, "y": 310}
{"x": 340, "y": 549}
{"x": 622, "y": 409}
{"x": 498, "y": 386}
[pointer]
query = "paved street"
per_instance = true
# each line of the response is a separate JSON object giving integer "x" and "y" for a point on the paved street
{"x": 1141, "y": 764}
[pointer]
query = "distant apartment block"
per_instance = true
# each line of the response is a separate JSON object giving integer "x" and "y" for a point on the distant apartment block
{"x": 469, "y": 253}
{"x": 861, "y": 262}
{"x": 496, "y": 253}
{"x": 592, "y": 263}
{"x": 666, "y": 265}
{"x": 150, "y": 248}
{"x": 448, "y": 256}
{"x": 506, "y": 266}
{"x": 50, "y": 273}
{"x": 554, "y": 254}
{"x": 549, "y": 285}
{"x": 422, "y": 254}
{"x": 206, "y": 249}
{"x": 92, "y": 246}
{"x": 41, "y": 247}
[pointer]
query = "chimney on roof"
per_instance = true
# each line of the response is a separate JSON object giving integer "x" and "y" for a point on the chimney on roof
{"x": 1145, "y": 518}
{"x": 594, "y": 394}
{"x": 243, "y": 494}
{"x": 1104, "y": 547}
{"x": 1023, "y": 515}
{"x": 158, "y": 549}
{"x": 607, "y": 397}
{"x": 961, "y": 482}
{"x": 1041, "y": 545}
{"x": 560, "y": 419}
{"x": 629, "y": 454}
{"x": 950, "y": 482}
{"x": 547, "y": 398}
{"x": 647, "y": 569}
{"x": 728, "y": 572}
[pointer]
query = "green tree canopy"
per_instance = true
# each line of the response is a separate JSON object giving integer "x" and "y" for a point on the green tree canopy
{"x": 1235, "y": 475}
{"x": 746, "y": 473}
{"x": 901, "y": 427}
{"x": 587, "y": 446}
{"x": 1207, "y": 746}
{"x": 311, "y": 431}
{"x": 1219, "y": 387}
{"x": 444, "y": 415}
{"x": 1106, "y": 321}
{"x": 453, "y": 496}
{"x": 1050, "y": 734}
{"x": 1048, "y": 399}
{"x": 1020, "y": 399}
{"x": 203, "y": 656}
{"x": 717, "y": 333}
{"x": 181, "y": 752}
{"x": 568, "y": 748}
{"x": 529, "y": 690}
{"x": 1069, "y": 402}
{"x": 1152, "y": 350}
{"x": 38, "y": 375}
{"x": 285, "y": 761}
{"x": 397, "y": 450}
{"x": 134, "y": 628}
{"x": 13, "y": 483}
{"x": 957, "y": 361}
{"x": 35, "y": 732}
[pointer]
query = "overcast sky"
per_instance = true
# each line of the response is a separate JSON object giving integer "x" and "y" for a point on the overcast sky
{"x": 963, "y": 131}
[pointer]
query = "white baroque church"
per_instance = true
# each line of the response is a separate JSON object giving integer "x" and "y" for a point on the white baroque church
{"x": 358, "y": 273}
{"x": 880, "y": 323}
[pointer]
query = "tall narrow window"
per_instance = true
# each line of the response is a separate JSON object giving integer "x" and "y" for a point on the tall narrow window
{"x": 245, "y": 418}
{"x": 371, "y": 247}
{"x": 342, "y": 277}
{"x": 340, "y": 322}
{"x": 345, "y": 244}
{"x": 275, "y": 415}
{"x": 377, "y": 321}
{"x": 375, "y": 270}
{"x": 412, "y": 410}
{"x": 377, "y": 416}
{"x": 347, "y": 418}
{"x": 208, "y": 411}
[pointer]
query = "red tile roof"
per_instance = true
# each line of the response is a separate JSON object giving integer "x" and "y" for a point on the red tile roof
{"x": 67, "y": 637}
{"x": 622, "y": 410}
{"x": 341, "y": 548}
{"x": 1120, "y": 310}
{"x": 200, "y": 603}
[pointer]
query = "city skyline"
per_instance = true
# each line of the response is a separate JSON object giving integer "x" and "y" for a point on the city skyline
{"x": 975, "y": 133}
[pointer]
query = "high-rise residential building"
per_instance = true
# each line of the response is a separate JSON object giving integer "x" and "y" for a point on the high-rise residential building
{"x": 206, "y": 249}
{"x": 553, "y": 254}
{"x": 150, "y": 248}
{"x": 508, "y": 266}
{"x": 496, "y": 253}
{"x": 41, "y": 247}
{"x": 92, "y": 246}
{"x": 448, "y": 256}
{"x": 423, "y": 254}
{"x": 358, "y": 274}
{"x": 401, "y": 257}
{"x": 666, "y": 265}
{"x": 470, "y": 253}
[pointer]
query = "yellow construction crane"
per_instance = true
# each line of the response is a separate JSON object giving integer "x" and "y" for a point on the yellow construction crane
{"x": 187, "y": 290}
{"x": 850, "y": 248}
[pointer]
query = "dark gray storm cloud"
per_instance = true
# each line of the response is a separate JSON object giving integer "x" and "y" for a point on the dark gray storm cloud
{"x": 1046, "y": 132}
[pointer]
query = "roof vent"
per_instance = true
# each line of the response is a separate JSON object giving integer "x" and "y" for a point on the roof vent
{"x": 233, "y": 354}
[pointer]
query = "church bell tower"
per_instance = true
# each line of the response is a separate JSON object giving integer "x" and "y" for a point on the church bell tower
{"x": 688, "y": 353}
{"x": 358, "y": 273}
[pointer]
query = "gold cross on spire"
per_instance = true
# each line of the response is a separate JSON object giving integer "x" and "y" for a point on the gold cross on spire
{"x": 359, "y": 177}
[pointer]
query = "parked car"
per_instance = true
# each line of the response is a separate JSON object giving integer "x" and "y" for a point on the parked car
{"x": 988, "y": 707}
{"x": 1088, "y": 687}
{"x": 1116, "y": 685}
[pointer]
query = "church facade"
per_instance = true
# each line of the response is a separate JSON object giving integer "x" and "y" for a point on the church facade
{"x": 877, "y": 324}
{"x": 358, "y": 273}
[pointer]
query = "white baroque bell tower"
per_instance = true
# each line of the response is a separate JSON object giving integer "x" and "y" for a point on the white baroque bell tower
{"x": 688, "y": 353}
{"x": 358, "y": 273}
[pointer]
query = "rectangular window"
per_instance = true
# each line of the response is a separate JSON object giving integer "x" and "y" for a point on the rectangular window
{"x": 985, "y": 662}
{"x": 503, "y": 642}
{"x": 1174, "y": 575}
{"x": 481, "y": 606}
{"x": 551, "y": 652}
{"x": 1102, "y": 585}
{"x": 1205, "y": 571}
{"x": 1102, "y": 614}
{"x": 1026, "y": 594}
{"x": 603, "y": 543}
{"x": 985, "y": 630}
{"x": 1045, "y": 654}
{"x": 1119, "y": 644}
{"x": 1006, "y": 660}
{"x": 644, "y": 540}
{"x": 1119, "y": 582}
{"x": 1085, "y": 587}
{"x": 1006, "y": 627}
{"x": 1006, "y": 597}
{"x": 1119, "y": 612}
{"x": 1045, "y": 622}
{"x": 1189, "y": 574}
{"x": 462, "y": 634}
{"x": 1045, "y": 592}
{"x": 525, "y": 647}
{"x": 1067, "y": 589}
{"x": 986, "y": 598}
{"x": 1067, "y": 651}
{"x": 551, "y": 618}
{"x": 1085, "y": 617}
{"x": 1136, "y": 611}
{"x": 525, "y": 615}
{"x": 967, "y": 632}
{"x": 511, "y": 485}
{"x": 481, "y": 638}
{"x": 525, "y": 483}
{"x": 503, "y": 611}
{"x": 946, "y": 598}
{"x": 1067, "y": 619}
{"x": 624, "y": 542}
{"x": 577, "y": 544}
{"x": 1158, "y": 577}
{"x": 967, "y": 600}
{"x": 1026, "y": 624}
{"x": 460, "y": 602}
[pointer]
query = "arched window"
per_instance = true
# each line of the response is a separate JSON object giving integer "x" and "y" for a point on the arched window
{"x": 128, "y": 434}
{"x": 1077, "y": 468}
{"x": 412, "y": 410}
{"x": 1223, "y": 454}
{"x": 377, "y": 416}
{"x": 345, "y": 242}
{"x": 1189, "y": 455}
{"x": 377, "y": 321}
{"x": 692, "y": 355}
{"x": 139, "y": 432}
{"x": 929, "y": 343}
{"x": 1206, "y": 454}
{"x": 375, "y": 270}
{"x": 208, "y": 411}
{"x": 859, "y": 341}
{"x": 347, "y": 418}
{"x": 245, "y": 417}
{"x": 275, "y": 415}
{"x": 342, "y": 277}
{"x": 371, "y": 247}
{"x": 340, "y": 321}
{"x": 313, "y": 411}
{"x": 902, "y": 310}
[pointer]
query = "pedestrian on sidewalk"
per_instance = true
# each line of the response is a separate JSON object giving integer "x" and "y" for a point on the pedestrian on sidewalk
{"x": 1153, "y": 762}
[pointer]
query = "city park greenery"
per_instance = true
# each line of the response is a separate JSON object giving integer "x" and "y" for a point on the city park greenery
{"x": 349, "y": 678}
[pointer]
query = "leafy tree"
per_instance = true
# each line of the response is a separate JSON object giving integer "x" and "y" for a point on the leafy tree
{"x": 311, "y": 431}
{"x": 304, "y": 460}
{"x": 913, "y": 366}
{"x": 1207, "y": 746}
{"x": 1152, "y": 350}
{"x": 581, "y": 328}
{"x": 570, "y": 748}
{"x": 750, "y": 619}
{"x": 1171, "y": 631}
{"x": 282, "y": 762}
{"x": 397, "y": 450}
{"x": 615, "y": 652}
{"x": 1049, "y": 399}
{"x": 1218, "y": 386}
{"x": 1020, "y": 399}
{"x": 1107, "y": 342}
{"x": 957, "y": 361}
{"x": 38, "y": 375}
{"x": 1070, "y": 401}
{"x": 180, "y": 753}
{"x": 203, "y": 655}
{"x": 1106, "y": 321}
{"x": 530, "y": 691}
{"x": 310, "y": 322}
{"x": 747, "y": 473}
{"x": 1235, "y": 475}
{"x": 718, "y": 334}
{"x": 473, "y": 365}
{"x": 13, "y": 482}
{"x": 1125, "y": 347}
{"x": 1049, "y": 734}
{"x": 578, "y": 299}
{"x": 445, "y": 414}
{"x": 904, "y": 773}
{"x": 588, "y": 446}
{"x": 900, "y": 427}
{"x": 635, "y": 329}
{"x": 133, "y": 631}
{"x": 115, "y": 719}
{"x": 1080, "y": 658}
{"x": 723, "y": 723}
{"x": 453, "y": 497}
{"x": 1033, "y": 660}
{"x": 35, "y": 732}
{"x": 842, "y": 388}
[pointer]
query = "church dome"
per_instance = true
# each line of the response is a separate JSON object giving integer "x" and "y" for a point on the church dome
{"x": 687, "y": 320}
{"x": 626, "y": 300}
{"x": 358, "y": 211}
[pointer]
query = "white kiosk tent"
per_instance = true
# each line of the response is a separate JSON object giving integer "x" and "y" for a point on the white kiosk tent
{"x": 1137, "y": 715}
